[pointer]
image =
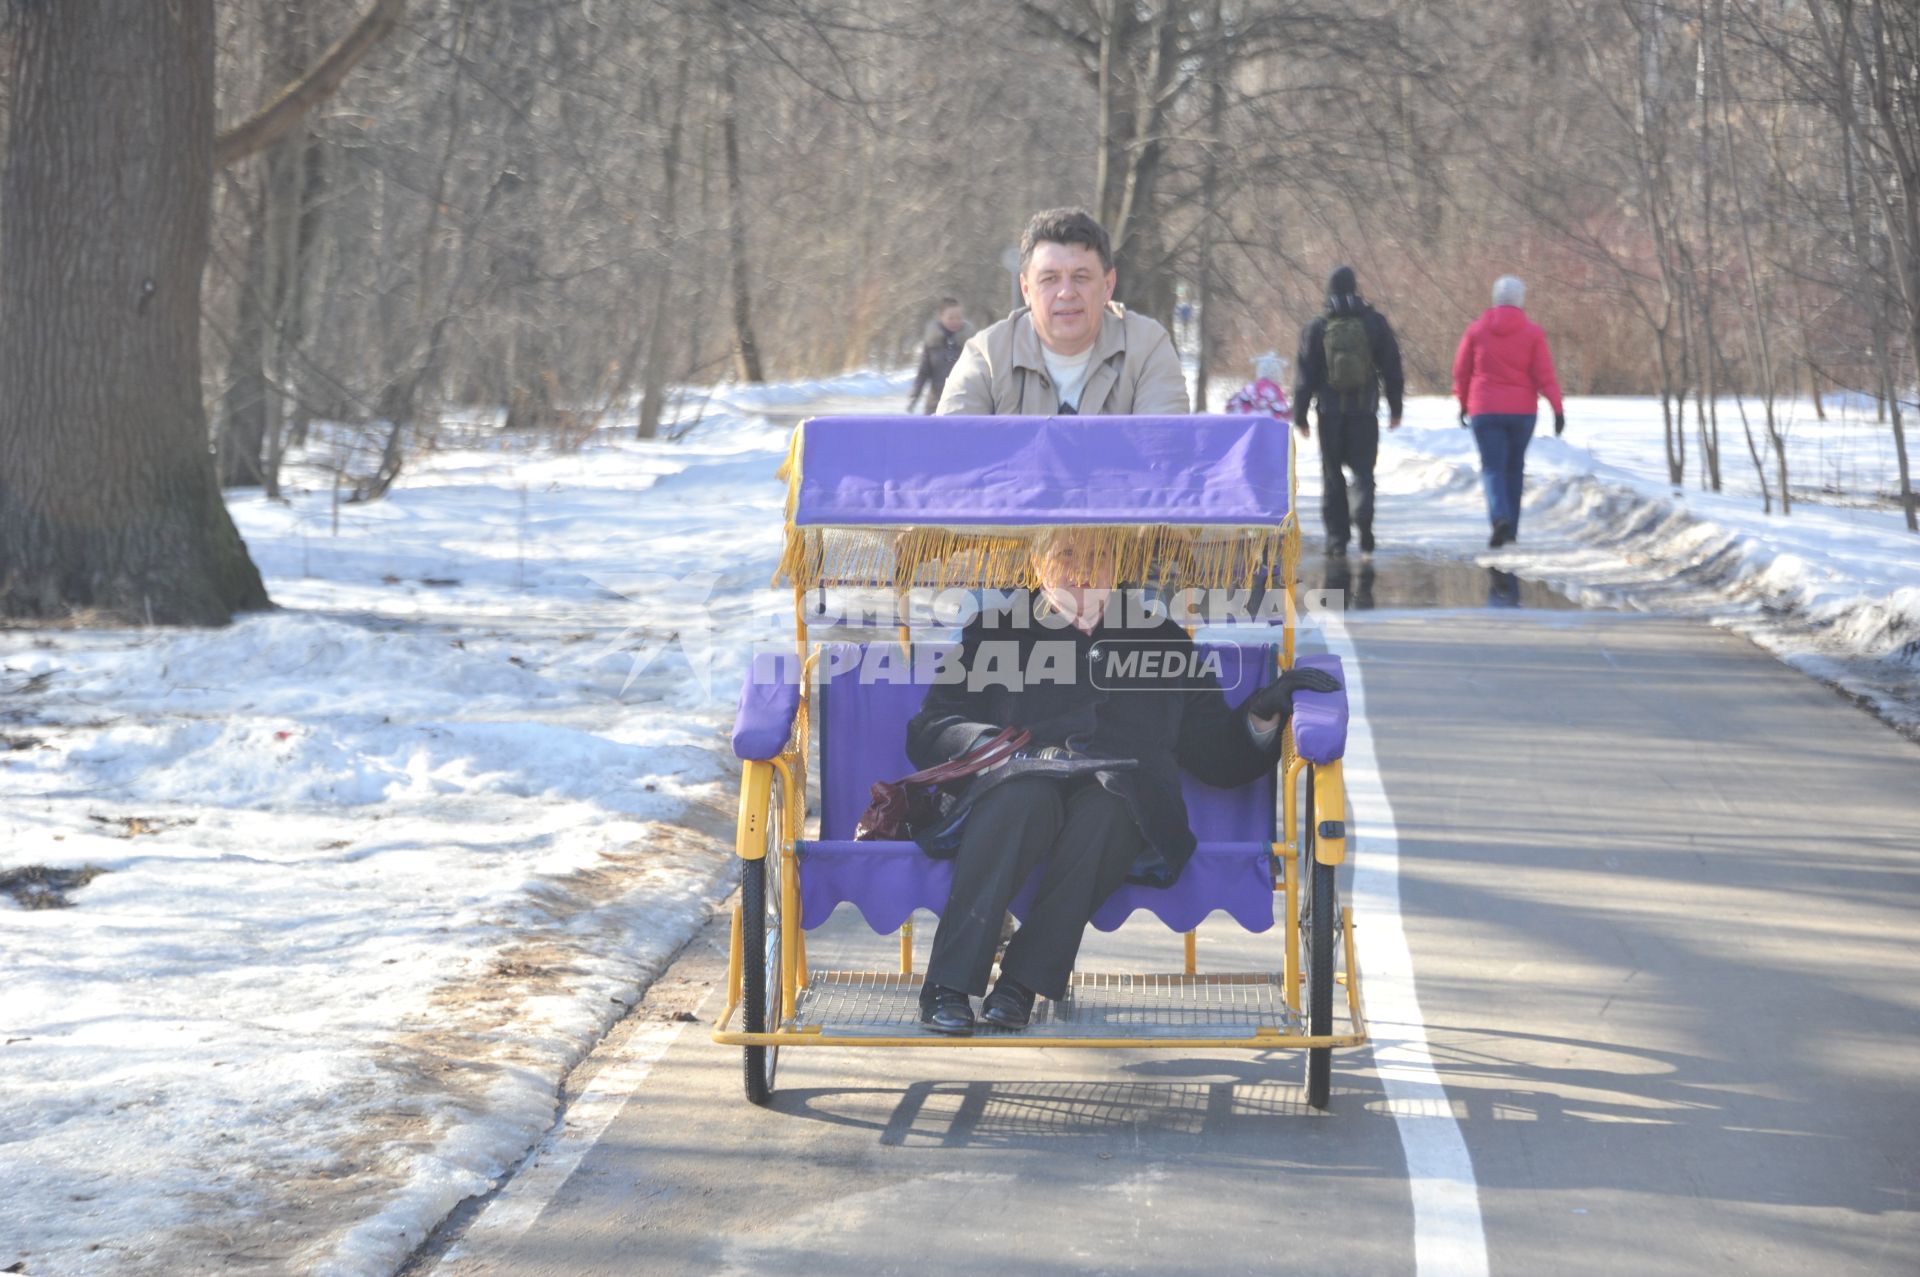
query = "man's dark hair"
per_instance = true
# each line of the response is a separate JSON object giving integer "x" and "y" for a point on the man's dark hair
{"x": 1065, "y": 226}
{"x": 946, "y": 302}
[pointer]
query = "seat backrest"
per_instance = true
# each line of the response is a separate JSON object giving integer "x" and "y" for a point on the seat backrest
{"x": 862, "y": 728}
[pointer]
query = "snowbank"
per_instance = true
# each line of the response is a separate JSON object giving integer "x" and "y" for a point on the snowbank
{"x": 1833, "y": 588}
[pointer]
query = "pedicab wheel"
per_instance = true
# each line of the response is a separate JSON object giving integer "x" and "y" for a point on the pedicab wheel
{"x": 760, "y": 960}
{"x": 1318, "y": 909}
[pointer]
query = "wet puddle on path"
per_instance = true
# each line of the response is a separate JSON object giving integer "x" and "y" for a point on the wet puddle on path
{"x": 1396, "y": 581}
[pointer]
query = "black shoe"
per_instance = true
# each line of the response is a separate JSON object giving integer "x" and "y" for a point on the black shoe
{"x": 1502, "y": 533}
{"x": 1009, "y": 1006}
{"x": 945, "y": 1010}
{"x": 1366, "y": 540}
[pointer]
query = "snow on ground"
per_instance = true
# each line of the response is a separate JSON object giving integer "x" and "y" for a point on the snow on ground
{"x": 381, "y": 865}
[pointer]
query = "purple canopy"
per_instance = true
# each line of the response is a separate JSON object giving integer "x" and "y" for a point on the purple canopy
{"x": 983, "y": 471}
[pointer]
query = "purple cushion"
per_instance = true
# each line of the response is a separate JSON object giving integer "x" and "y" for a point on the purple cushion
{"x": 769, "y": 699}
{"x": 1320, "y": 718}
{"x": 887, "y": 881}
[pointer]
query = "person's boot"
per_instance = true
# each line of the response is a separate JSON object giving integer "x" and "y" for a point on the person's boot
{"x": 945, "y": 1010}
{"x": 1009, "y": 1006}
{"x": 1336, "y": 549}
{"x": 1502, "y": 533}
{"x": 1366, "y": 540}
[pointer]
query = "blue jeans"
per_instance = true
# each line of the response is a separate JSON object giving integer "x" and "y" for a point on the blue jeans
{"x": 1503, "y": 439}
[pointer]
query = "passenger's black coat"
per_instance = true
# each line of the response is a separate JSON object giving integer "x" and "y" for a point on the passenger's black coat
{"x": 1165, "y": 729}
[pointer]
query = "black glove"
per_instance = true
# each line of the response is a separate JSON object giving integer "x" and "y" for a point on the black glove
{"x": 1464, "y": 423}
{"x": 1276, "y": 698}
{"x": 1559, "y": 424}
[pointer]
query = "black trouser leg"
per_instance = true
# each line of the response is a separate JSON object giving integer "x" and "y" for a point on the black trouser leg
{"x": 1361, "y": 434}
{"x": 1008, "y": 831}
{"x": 1333, "y": 481}
{"x": 1096, "y": 846}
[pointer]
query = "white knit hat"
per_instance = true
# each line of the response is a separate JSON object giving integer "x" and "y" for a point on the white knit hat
{"x": 1269, "y": 366}
{"x": 1509, "y": 291}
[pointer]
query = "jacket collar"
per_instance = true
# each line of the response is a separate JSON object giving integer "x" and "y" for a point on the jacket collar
{"x": 1027, "y": 353}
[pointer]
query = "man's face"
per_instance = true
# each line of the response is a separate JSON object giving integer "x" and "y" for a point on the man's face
{"x": 1067, "y": 290}
{"x": 953, "y": 319}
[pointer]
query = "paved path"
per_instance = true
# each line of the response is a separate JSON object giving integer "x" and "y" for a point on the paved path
{"x": 1661, "y": 897}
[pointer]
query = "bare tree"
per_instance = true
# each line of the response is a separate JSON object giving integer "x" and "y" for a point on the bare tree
{"x": 108, "y": 498}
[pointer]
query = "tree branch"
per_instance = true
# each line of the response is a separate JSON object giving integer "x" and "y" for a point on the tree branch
{"x": 291, "y": 105}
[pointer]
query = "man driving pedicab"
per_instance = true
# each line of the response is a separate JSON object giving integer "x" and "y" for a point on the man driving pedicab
{"x": 1071, "y": 348}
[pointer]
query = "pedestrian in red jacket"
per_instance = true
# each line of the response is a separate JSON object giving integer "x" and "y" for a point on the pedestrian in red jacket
{"x": 1502, "y": 368}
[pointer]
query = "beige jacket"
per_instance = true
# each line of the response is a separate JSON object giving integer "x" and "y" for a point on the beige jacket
{"x": 1001, "y": 372}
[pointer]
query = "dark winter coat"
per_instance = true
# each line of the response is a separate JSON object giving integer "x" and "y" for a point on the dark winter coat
{"x": 1165, "y": 728}
{"x": 939, "y": 352}
{"x": 1310, "y": 367}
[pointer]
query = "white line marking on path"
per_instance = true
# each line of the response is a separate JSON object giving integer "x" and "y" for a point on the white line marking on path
{"x": 529, "y": 1189}
{"x": 1448, "y": 1237}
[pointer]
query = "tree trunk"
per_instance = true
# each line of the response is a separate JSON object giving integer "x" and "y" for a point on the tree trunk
{"x": 666, "y": 234}
{"x": 241, "y": 435}
{"x": 252, "y": 417}
{"x": 1210, "y": 206}
{"x": 1676, "y": 432}
{"x": 746, "y": 348}
{"x": 1909, "y": 506}
{"x": 108, "y": 498}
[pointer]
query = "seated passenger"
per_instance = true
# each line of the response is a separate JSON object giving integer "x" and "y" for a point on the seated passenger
{"x": 1067, "y": 652}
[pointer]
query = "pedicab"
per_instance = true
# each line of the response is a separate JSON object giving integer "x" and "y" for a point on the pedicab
{"x": 901, "y": 504}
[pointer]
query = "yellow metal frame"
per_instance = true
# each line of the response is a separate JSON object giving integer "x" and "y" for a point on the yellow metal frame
{"x": 758, "y": 794}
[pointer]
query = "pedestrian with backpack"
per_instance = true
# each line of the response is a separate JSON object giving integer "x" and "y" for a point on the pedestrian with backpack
{"x": 1500, "y": 372}
{"x": 1348, "y": 356}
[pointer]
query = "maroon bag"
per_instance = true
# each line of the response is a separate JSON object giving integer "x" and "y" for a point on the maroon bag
{"x": 900, "y": 808}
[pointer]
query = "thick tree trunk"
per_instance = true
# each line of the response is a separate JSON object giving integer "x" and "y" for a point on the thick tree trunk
{"x": 108, "y": 499}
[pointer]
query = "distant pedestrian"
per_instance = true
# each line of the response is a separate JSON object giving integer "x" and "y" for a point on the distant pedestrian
{"x": 940, "y": 348}
{"x": 1502, "y": 368}
{"x": 1263, "y": 394}
{"x": 1348, "y": 355}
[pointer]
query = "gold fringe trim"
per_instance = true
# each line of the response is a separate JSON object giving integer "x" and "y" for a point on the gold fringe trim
{"x": 1179, "y": 556}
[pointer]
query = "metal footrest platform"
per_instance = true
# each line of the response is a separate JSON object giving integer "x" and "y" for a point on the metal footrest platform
{"x": 1099, "y": 1005}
